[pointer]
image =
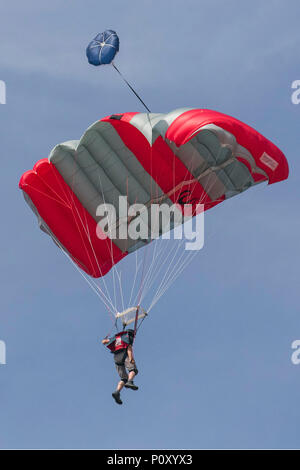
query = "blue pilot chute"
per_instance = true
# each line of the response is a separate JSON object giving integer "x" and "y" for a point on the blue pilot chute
{"x": 103, "y": 48}
{"x": 102, "y": 51}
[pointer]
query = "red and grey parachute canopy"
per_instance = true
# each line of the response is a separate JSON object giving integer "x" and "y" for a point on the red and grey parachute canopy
{"x": 185, "y": 156}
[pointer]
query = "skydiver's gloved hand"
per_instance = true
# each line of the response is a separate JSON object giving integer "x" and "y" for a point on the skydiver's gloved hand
{"x": 105, "y": 341}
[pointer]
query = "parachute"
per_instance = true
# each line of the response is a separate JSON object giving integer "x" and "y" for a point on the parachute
{"x": 103, "y": 48}
{"x": 102, "y": 51}
{"x": 187, "y": 156}
{"x": 83, "y": 195}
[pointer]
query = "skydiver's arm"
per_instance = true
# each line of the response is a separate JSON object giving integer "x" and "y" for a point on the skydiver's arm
{"x": 105, "y": 341}
{"x": 130, "y": 353}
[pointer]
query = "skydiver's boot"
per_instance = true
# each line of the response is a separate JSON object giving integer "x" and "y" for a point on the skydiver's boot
{"x": 131, "y": 385}
{"x": 117, "y": 398}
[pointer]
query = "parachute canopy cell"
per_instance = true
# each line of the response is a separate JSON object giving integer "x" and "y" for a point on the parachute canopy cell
{"x": 103, "y": 48}
{"x": 187, "y": 156}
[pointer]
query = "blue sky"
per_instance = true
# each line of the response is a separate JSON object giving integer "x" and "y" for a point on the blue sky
{"x": 214, "y": 357}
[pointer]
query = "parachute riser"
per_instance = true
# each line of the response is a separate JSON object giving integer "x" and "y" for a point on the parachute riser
{"x": 136, "y": 321}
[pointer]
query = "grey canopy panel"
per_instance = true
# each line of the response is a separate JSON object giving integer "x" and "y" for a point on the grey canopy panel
{"x": 100, "y": 168}
{"x": 211, "y": 158}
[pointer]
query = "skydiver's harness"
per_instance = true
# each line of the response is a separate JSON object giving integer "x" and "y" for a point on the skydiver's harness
{"x": 119, "y": 341}
{"x": 122, "y": 339}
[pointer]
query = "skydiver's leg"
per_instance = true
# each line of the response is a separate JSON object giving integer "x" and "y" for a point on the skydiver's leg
{"x": 131, "y": 375}
{"x": 132, "y": 372}
{"x": 120, "y": 386}
{"x": 124, "y": 377}
{"x": 116, "y": 394}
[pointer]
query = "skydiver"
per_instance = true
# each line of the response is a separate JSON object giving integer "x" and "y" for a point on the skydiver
{"x": 121, "y": 347}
